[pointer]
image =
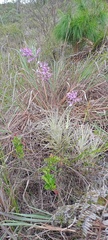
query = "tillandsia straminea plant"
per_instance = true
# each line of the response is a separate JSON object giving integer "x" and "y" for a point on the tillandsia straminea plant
{"x": 38, "y": 76}
{"x": 86, "y": 21}
{"x": 89, "y": 143}
{"x": 50, "y": 85}
{"x": 58, "y": 129}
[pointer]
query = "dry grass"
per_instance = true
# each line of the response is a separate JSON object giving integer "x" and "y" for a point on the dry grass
{"x": 39, "y": 114}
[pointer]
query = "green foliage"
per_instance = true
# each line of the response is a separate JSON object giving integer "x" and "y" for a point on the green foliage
{"x": 88, "y": 21}
{"x": 27, "y": 220}
{"x": 49, "y": 179}
{"x": 1, "y": 154}
{"x": 11, "y": 33}
{"x": 9, "y": 14}
{"x": 49, "y": 172}
{"x": 13, "y": 30}
{"x": 18, "y": 147}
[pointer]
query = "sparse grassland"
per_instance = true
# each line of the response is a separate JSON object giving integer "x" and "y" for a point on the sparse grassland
{"x": 53, "y": 129}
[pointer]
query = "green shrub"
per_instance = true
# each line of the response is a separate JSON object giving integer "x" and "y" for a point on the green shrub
{"x": 50, "y": 172}
{"x": 11, "y": 31}
{"x": 86, "y": 21}
{"x": 9, "y": 13}
{"x": 18, "y": 147}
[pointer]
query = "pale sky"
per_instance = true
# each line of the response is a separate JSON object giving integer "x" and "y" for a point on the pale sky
{"x": 5, "y": 1}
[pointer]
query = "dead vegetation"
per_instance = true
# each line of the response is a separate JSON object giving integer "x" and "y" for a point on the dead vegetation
{"x": 37, "y": 124}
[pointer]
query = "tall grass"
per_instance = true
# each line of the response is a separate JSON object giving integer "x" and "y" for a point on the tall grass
{"x": 85, "y": 21}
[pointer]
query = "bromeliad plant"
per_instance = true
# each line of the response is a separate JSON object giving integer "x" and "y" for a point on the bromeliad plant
{"x": 37, "y": 76}
{"x": 89, "y": 143}
{"x": 58, "y": 130}
{"x": 49, "y": 86}
{"x": 74, "y": 141}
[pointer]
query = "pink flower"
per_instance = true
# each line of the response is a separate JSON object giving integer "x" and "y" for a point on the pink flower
{"x": 27, "y": 52}
{"x": 43, "y": 71}
{"x": 72, "y": 97}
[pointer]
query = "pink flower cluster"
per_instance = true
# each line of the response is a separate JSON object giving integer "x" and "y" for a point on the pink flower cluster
{"x": 44, "y": 71}
{"x": 27, "y": 52}
{"x": 72, "y": 97}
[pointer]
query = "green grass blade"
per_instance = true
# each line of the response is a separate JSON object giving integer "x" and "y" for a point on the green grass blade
{"x": 24, "y": 218}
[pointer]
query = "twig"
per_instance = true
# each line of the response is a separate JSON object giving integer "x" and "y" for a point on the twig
{"x": 52, "y": 228}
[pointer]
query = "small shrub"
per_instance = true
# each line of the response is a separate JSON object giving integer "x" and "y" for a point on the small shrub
{"x": 50, "y": 172}
{"x": 86, "y": 22}
{"x": 11, "y": 33}
{"x": 18, "y": 147}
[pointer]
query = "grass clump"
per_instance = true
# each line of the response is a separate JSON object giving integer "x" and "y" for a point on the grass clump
{"x": 85, "y": 21}
{"x": 7, "y": 191}
{"x": 12, "y": 32}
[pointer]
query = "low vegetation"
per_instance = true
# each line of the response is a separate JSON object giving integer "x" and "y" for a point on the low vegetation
{"x": 53, "y": 121}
